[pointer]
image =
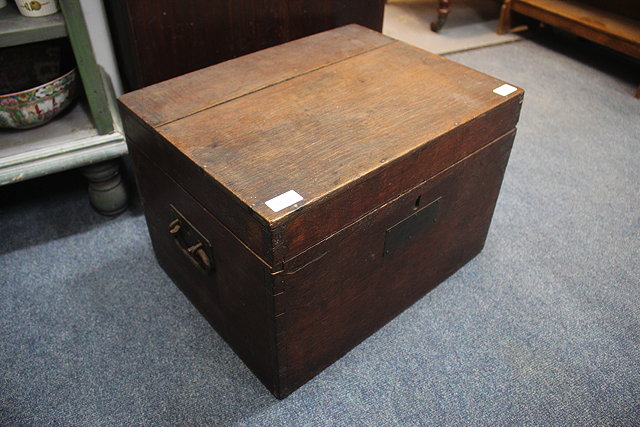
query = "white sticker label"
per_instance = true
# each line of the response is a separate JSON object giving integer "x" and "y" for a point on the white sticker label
{"x": 505, "y": 90}
{"x": 283, "y": 201}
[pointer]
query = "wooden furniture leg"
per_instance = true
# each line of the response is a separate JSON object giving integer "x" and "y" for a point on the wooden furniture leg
{"x": 443, "y": 12}
{"x": 107, "y": 192}
{"x": 504, "y": 25}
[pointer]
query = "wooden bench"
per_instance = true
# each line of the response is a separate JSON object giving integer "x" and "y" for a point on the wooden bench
{"x": 615, "y": 24}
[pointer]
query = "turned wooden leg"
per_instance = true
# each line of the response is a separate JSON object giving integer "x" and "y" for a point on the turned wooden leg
{"x": 443, "y": 12}
{"x": 504, "y": 25}
{"x": 107, "y": 192}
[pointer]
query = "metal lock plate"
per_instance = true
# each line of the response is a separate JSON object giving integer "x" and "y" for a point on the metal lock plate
{"x": 411, "y": 227}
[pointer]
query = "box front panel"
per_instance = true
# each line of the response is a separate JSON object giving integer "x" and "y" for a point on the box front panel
{"x": 220, "y": 276}
{"x": 344, "y": 289}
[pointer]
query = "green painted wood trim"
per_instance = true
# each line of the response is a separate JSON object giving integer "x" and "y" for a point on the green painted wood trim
{"x": 94, "y": 86}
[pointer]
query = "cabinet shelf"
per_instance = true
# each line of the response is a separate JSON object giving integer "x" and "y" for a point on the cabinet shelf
{"x": 16, "y": 29}
{"x": 68, "y": 141}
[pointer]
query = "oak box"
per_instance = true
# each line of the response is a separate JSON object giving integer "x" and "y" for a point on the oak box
{"x": 304, "y": 195}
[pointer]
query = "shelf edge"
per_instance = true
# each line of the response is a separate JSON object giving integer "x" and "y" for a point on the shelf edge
{"x": 59, "y": 149}
{"x": 38, "y": 29}
{"x": 112, "y": 148}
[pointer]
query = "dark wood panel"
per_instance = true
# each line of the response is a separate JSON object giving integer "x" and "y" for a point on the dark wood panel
{"x": 160, "y": 39}
{"x": 627, "y": 8}
{"x": 345, "y": 289}
{"x": 312, "y": 16}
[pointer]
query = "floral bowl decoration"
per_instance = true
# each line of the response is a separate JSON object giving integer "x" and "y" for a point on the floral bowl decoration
{"x": 36, "y": 106}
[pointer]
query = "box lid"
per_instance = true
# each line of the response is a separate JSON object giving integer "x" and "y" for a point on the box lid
{"x": 284, "y": 134}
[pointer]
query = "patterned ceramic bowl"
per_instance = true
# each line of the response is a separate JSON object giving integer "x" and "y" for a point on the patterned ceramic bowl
{"x": 34, "y": 107}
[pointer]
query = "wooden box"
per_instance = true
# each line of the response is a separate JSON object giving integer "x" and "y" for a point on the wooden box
{"x": 304, "y": 195}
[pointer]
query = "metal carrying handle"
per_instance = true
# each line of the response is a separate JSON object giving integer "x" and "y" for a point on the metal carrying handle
{"x": 195, "y": 252}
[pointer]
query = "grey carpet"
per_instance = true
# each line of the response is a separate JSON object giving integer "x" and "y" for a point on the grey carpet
{"x": 542, "y": 328}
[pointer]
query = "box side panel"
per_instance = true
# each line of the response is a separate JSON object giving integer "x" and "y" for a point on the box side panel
{"x": 235, "y": 294}
{"x": 232, "y": 213}
{"x": 187, "y": 94}
{"x": 344, "y": 289}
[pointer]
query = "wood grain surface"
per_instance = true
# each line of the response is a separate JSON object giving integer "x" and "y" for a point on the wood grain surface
{"x": 618, "y": 30}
